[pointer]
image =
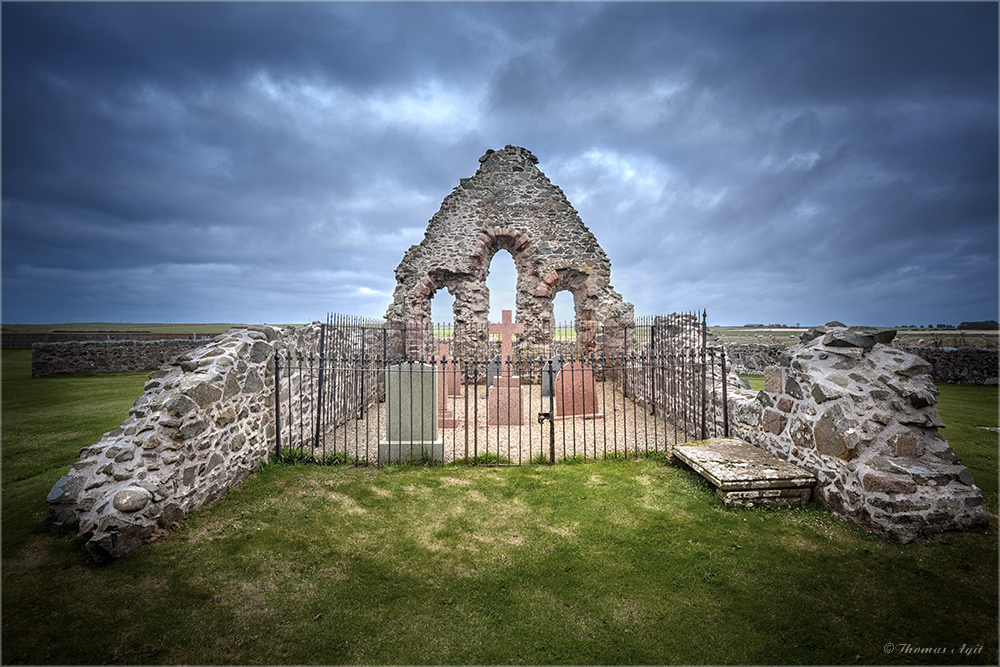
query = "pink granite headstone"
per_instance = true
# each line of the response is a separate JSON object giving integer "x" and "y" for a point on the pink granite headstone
{"x": 576, "y": 393}
{"x": 503, "y": 402}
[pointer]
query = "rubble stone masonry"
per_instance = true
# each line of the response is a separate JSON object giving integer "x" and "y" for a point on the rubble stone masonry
{"x": 203, "y": 424}
{"x": 859, "y": 414}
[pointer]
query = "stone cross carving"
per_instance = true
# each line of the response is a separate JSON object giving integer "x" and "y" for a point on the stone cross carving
{"x": 506, "y": 329}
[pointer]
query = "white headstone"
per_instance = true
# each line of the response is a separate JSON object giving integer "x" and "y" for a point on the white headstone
{"x": 411, "y": 414}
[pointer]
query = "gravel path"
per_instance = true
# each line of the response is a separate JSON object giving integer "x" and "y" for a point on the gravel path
{"x": 624, "y": 427}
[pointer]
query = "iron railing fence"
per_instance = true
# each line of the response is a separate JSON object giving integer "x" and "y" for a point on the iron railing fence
{"x": 364, "y": 398}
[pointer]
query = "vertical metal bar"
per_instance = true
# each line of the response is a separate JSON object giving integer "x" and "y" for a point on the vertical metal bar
{"x": 277, "y": 405}
{"x": 725, "y": 401}
{"x": 704, "y": 336}
{"x": 552, "y": 414}
{"x": 319, "y": 396}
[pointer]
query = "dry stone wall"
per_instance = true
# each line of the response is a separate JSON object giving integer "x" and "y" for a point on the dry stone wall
{"x": 859, "y": 414}
{"x": 508, "y": 204}
{"x": 752, "y": 359}
{"x": 202, "y": 425}
{"x": 119, "y": 356}
{"x": 960, "y": 365}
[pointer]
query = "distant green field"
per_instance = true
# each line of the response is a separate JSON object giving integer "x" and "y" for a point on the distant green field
{"x": 153, "y": 327}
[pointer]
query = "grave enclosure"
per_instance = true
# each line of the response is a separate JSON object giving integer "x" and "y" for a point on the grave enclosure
{"x": 854, "y": 414}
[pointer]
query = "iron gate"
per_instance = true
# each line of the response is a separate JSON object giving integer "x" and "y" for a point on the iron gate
{"x": 361, "y": 398}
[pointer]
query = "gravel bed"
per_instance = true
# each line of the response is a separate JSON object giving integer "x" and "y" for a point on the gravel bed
{"x": 624, "y": 428}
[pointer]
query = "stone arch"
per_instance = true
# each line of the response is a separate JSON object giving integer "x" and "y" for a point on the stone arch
{"x": 509, "y": 204}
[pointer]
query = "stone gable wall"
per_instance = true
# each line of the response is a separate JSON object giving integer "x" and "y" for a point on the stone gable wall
{"x": 508, "y": 204}
{"x": 119, "y": 356}
{"x": 201, "y": 426}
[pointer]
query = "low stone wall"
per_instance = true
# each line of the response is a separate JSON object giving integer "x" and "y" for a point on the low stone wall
{"x": 859, "y": 414}
{"x": 202, "y": 425}
{"x": 964, "y": 365}
{"x": 752, "y": 359}
{"x": 13, "y": 340}
{"x": 961, "y": 365}
{"x": 119, "y": 356}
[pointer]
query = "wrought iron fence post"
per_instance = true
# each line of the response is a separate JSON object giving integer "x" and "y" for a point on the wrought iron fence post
{"x": 277, "y": 405}
{"x": 319, "y": 391}
{"x": 725, "y": 400}
{"x": 552, "y": 414}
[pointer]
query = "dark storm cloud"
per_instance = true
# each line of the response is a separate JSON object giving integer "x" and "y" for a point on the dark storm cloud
{"x": 776, "y": 162}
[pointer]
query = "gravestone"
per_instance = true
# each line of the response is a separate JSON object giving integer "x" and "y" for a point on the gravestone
{"x": 506, "y": 329}
{"x": 503, "y": 404}
{"x": 411, "y": 414}
{"x": 503, "y": 407}
{"x": 447, "y": 387}
{"x": 493, "y": 371}
{"x": 449, "y": 372}
{"x": 576, "y": 392}
{"x": 555, "y": 364}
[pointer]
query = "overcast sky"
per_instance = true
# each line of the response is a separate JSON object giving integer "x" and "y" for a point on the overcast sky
{"x": 229, "y": 162}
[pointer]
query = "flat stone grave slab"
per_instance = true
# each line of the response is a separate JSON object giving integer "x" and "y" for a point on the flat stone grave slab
{"x": 746, "y": 475}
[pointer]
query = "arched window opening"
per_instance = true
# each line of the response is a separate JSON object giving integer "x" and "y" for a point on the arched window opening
{"x": 442, "y": 307}
{"x": 502, "y": 284}
{"x": 564, "y": 308}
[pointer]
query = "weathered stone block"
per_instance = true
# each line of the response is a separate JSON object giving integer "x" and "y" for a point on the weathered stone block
{"x": 903, "y": 446}
{"x": 202, "y": 393}
{"x": 886, "y": 483}
{"x": 774, "y": 379}
{"x": 179, "y": 405}
{"x": 774, "y": 422}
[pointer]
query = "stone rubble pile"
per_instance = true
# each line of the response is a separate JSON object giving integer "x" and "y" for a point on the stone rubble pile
{"x": 859, "y": 414}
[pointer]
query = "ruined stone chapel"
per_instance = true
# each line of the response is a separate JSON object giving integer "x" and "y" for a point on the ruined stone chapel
{"x": 509, "y": 204}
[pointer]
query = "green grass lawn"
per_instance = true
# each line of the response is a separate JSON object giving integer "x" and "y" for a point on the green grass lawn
{"x": 616, "y": 562}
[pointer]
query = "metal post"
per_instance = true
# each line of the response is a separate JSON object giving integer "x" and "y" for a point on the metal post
{"x": 704, "y": 330}
{"x": 725, "y": 401}
{"x": 277, "y": 405}
{"x": 552, "y": 414}
{"x": 319, "y": 392}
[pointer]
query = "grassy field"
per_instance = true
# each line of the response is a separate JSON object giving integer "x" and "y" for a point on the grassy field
{"x": 150, "y": 327}
{"x": 616, "y": 562}
{"x": 905, "y": 337}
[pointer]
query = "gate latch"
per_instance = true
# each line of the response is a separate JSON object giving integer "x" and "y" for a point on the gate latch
{"x": 542, "y": 416}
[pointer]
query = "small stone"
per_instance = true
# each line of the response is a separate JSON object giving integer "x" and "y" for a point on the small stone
{"x": 253, "y": 383}
{"x": 260, "y": 352}
{"x": 131, "y": 499}
{"x": 126, "y": 454}
{"x": 179, "y": 405}
{"x": 202, "y": 393}
{"x": 915, "y": 366}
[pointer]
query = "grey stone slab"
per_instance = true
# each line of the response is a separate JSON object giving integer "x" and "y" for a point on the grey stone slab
{"x": 778, "y": 498}
{"x": 556, "y": 363}
{"x": 733, "y": 465}
{"x": 404, "y": 450}
{"x": 493, "y": 370}
{"x": 411, "y": 403}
